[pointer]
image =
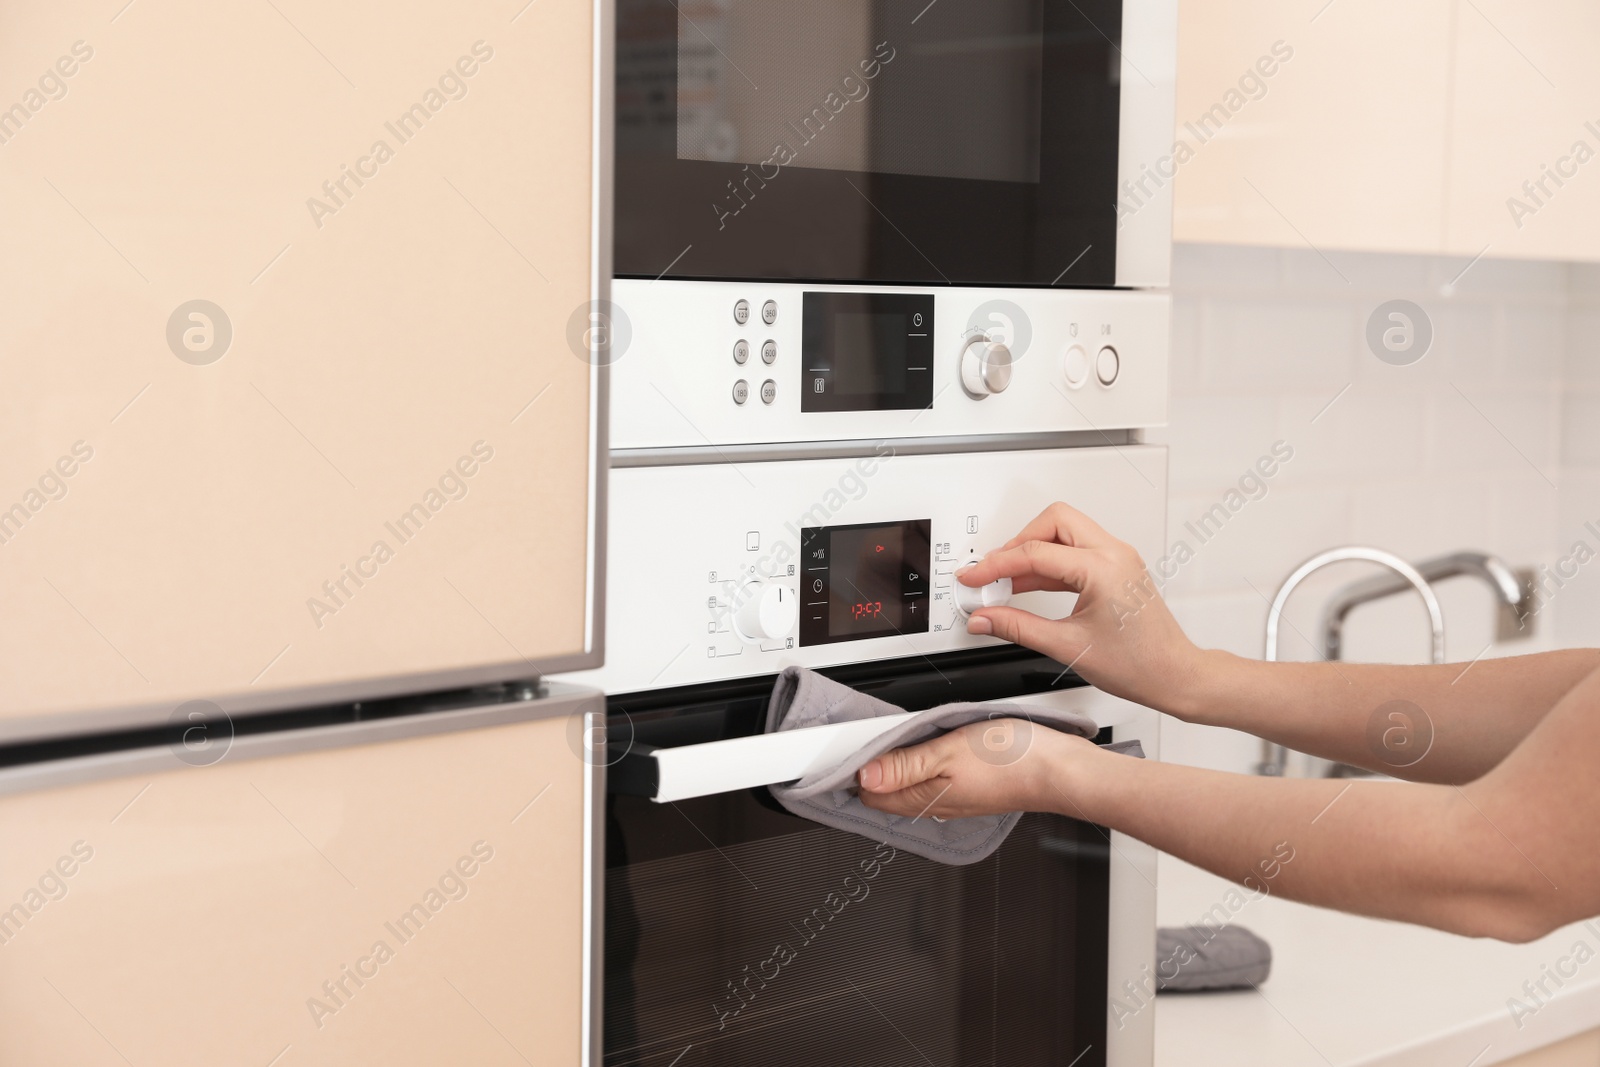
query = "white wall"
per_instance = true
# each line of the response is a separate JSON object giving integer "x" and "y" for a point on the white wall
{"x": 1457, "y": 451}
{"x": 1579, "y": 598}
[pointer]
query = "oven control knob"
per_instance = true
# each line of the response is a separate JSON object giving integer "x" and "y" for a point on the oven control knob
{"x": 985, "y": 367}
{"x": 970, "y": 598}
{"x": 766, "y": 611}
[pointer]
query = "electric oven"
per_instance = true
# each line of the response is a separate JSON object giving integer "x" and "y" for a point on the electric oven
{"x": 735, "y": 932}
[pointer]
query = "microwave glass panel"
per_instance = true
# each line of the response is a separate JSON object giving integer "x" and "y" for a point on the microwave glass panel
{"x": 774, "y": 82}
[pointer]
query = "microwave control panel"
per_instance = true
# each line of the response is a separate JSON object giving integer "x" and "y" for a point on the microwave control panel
{"x": 735, "y": 363}
{"x": 736, "y": 569}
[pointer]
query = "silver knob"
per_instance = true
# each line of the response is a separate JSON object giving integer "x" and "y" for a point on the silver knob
{"x": 985, "y": 367}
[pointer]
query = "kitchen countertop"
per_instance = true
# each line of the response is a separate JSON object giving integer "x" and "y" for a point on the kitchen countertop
{"x": 1346, "y": 990}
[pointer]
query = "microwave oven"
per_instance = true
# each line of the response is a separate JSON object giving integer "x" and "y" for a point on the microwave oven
{"x": 857, "y": 219}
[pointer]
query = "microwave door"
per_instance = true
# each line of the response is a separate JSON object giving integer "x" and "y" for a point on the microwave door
{"x": 407, "y": 891}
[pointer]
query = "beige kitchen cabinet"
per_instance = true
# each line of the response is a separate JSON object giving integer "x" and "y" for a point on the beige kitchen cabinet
{"x": 303, "y": 451}
{"x": 1524, "y": 176}
{"x": 1393, "y": 127}
{"x": 295, "y": 409}
{"x": 1342, "y": 145}
{"x": 409, "y": 891}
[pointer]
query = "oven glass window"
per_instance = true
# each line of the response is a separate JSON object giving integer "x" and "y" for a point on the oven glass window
{"x": 868, "y": 580}
{"x": 829, "y": 86}
{"x": 738, "y": 934}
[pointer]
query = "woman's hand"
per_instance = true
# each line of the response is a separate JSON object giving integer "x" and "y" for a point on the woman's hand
{"x": 1120, "y": 635}
{"x": 984, "y": 768}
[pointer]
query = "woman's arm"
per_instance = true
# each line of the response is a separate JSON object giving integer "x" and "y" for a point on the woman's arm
{"x": 1450, "y": 723}
{"x": 1509, "y": 856}
{"x": 1462, "y": 718}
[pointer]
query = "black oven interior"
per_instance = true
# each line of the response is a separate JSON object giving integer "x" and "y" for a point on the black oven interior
{"x": 736, "y": 933}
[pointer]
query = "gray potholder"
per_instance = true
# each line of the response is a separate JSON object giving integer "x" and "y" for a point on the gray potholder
{"x": 1191, "y": 958}
{"x": 804, "y": 698}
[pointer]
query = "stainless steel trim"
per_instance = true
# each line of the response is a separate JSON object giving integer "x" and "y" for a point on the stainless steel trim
{"x": 902, "y": 446}
{"x": 602, "y": 151}
{"x": 591, "y": 1040}
{"x": 559, "y": 698}
{"x": 76, "y": 724}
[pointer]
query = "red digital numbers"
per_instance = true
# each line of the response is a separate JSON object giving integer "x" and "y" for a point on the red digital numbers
{"x": 868, "y": 609}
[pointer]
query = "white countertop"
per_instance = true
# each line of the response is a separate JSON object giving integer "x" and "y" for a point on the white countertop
{"x": 1346, "y": 990}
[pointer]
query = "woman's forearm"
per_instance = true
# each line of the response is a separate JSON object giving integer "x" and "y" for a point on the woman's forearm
{"x": 1449, "y": 723}
{"x": 1417, "y": 853}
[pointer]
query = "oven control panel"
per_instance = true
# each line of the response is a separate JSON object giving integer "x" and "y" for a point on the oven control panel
{"x": 735, "y": 569}
{"x": 749, "y": 363}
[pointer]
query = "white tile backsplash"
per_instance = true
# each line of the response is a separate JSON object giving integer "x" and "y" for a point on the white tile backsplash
{"x": 1268, "y": 345}
{"x": 1450, "y": 453}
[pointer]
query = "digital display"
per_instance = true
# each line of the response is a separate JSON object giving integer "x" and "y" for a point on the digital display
{"x": 866, "y": 351}
{"x": 868, "y": 580}
{"x": 869, "y": 353}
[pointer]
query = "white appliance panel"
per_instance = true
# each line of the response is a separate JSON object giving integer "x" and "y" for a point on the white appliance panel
{"x": 693, "y": 545}
{"x": 677, "y": 382}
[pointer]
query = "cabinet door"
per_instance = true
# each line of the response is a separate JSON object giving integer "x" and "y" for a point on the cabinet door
{"x": 1525, "y": 131}
{"x": 298, "y": 405}
{"x": 1341, "y": 146}
{"x": 410, "y": 901}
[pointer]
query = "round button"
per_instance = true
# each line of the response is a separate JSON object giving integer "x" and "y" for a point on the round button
{"x": 1076, "y": 366}
{"x": 769, "y": 391}
{"x": 769, "y": 312}
{"x": 769, "y": 351}
{"x": 1107, "y": 365}
{"x": 741, "y": 391}
{"x": 741, "y": 312}
{"x": 985, "y": 367}
{"x": 741, "y": 352}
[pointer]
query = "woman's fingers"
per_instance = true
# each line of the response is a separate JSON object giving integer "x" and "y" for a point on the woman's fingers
{"x": 906, "y": 781}
{"x": 1033, "y": 564}
{"x": 901, "y": 768}
{"x": 1053, "y": 637}
{"x": 914, "y": 801}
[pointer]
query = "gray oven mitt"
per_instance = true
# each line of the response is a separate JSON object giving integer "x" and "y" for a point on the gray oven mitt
{"x": 804, "y": 698}
{"x": 1190, "y": 958}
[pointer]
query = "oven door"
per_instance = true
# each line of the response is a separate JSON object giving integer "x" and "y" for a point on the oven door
{"x": 894, "y": 141}
{"x": 736, "y": 933}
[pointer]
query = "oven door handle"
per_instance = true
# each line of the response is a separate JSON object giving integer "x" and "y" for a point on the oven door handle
{"x": 738, "y": 763}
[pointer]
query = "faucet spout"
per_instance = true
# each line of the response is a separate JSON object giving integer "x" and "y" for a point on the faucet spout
{"x": 1516, "y": 600}
{"x": 1275, "y": 758}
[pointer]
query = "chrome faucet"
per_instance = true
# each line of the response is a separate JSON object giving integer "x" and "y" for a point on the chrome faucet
{"x": 1275, "y": 758}
{"x": 1515, "y": 596}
